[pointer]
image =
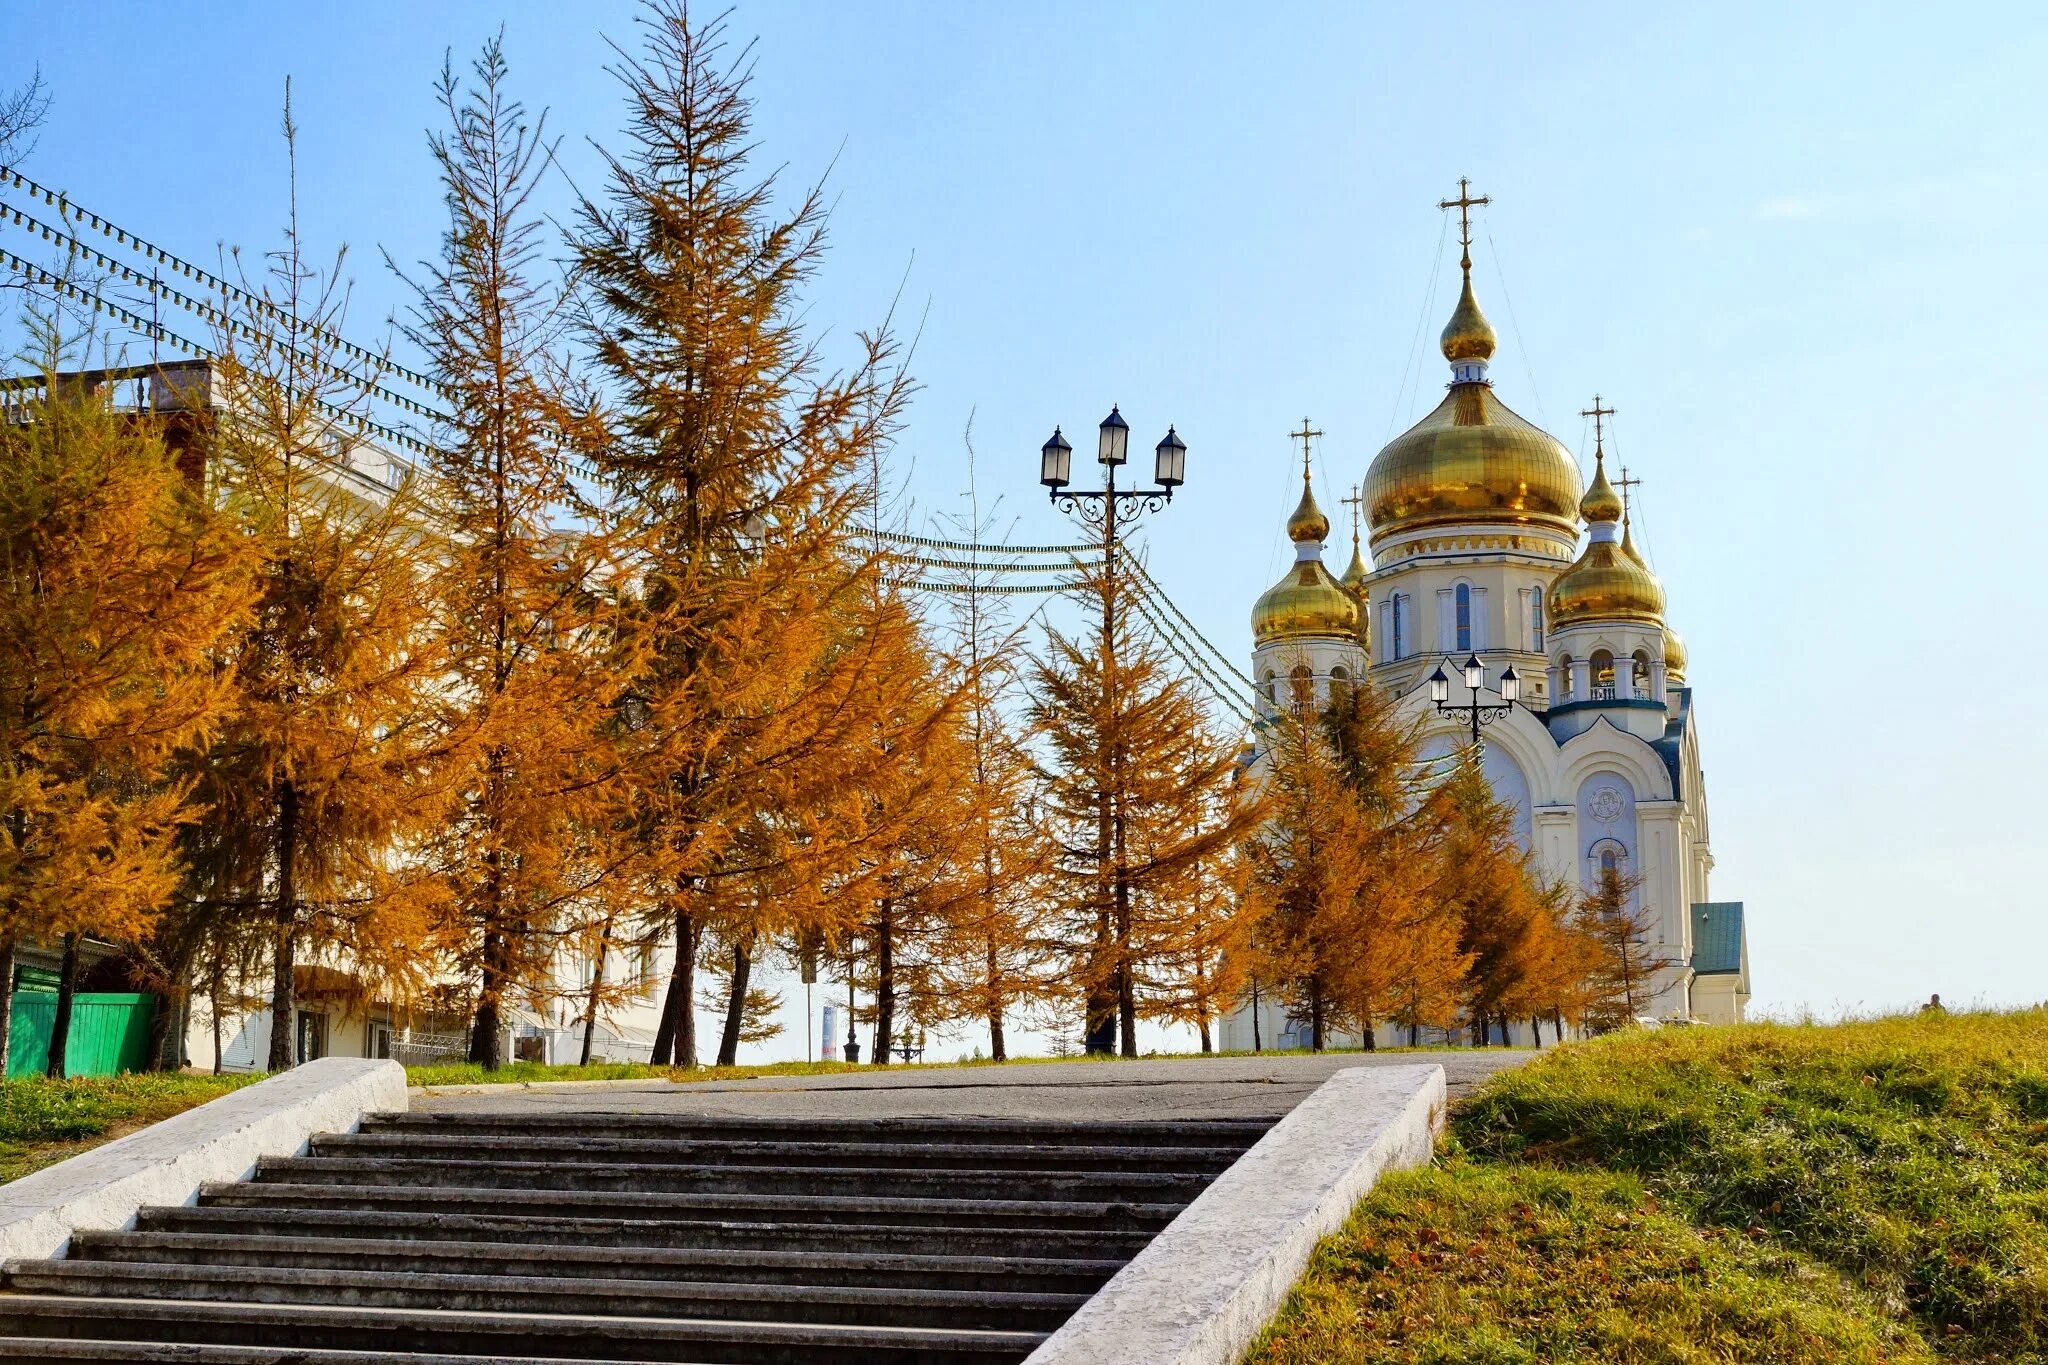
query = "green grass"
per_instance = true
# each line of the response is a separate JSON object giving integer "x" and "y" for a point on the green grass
{"x": 1872, "y": 1191}
{"x": 44, "y": 1121}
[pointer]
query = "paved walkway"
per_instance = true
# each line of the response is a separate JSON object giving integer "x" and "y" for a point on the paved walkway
{"x": 1221, "y": 1087}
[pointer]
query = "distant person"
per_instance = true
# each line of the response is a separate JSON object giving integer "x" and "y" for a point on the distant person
{"x": 1933, "y": 1005}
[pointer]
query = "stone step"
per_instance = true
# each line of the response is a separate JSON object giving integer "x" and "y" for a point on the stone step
{"x": 533, "y": 1258}
{"x": 699, "y": 1234}
{"x": 161, "y": 1353}
{"x": 1234, "y": 1133}
{"x": 663, "y": 1178}
{"x": 857, "y": 1209}
{"x": 703, "y": 1151}
{"x": 406, "y": 1335}
{"x": 855, "y": 1305}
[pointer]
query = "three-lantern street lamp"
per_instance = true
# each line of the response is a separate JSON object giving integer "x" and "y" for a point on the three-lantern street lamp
{"x": 1475, "y": 682}
{"x": 1099, "y": 508}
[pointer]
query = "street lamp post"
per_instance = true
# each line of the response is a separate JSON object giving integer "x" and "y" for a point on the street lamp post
{"x": 1099, "y": 509}
{"x": 1475, "y": 682}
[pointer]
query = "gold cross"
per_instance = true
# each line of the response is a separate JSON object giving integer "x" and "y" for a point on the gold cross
{"x": 1464, "y": 204}
{"x": 1624, "y": 483}
{"x": 1596, "y": 412}
{"x": 1305, "y": 435}
{"x": 1354, "y": 502}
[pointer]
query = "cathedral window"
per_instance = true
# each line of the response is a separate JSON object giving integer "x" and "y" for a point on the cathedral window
{"x": 1464, "y": 611}
{"x": 1564, "y": 675}
{"x": 1400, "y": 631}
{"x": 1639, "y": 674}
{"x": 1304, "y": 680}
{"x": 1535, "y": 618}
{"x": 1270, "y": 685}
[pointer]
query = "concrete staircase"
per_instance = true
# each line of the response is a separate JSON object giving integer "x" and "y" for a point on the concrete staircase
{"x": 521, "y": 1239}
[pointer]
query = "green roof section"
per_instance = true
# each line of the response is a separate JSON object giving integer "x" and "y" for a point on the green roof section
{"x": 1717, "y": 938}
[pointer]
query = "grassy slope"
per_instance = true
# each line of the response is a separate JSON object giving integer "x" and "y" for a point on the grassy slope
{"x": 44, "y": 1121}
{"x": 1867, "y": 1192}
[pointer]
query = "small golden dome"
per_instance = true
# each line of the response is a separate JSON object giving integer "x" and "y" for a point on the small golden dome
{"x": 1468, "y": 335}
{"x": 1308, "y": 525}
{"x": 1674, "y": 655}
{"x": 1358, "y": 571}
{"x": 1306, "y": 603}
{"x": 1601, "y": 502}
{"x": 1606, "y": 584}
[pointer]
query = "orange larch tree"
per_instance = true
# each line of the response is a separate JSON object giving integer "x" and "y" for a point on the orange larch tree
{"x": 522, "y": 619}
{"x": 730, "y": 458}
{"x": 116, "y": 582}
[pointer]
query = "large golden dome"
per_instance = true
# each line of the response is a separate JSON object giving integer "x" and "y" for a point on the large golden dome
{"x": 1473, "y": 460}
{"x": 1308, "y": 602}
{"x": 1608, "y": 582}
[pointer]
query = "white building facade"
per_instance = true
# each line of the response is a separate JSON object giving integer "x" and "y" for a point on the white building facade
{"x": 1476, "y": 551}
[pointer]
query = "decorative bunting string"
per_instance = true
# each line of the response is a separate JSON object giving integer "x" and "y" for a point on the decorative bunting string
{"x": 65, "y": 208}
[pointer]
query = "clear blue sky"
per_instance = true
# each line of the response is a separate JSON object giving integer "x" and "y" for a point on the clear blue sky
{"x": 1799, "y": 248}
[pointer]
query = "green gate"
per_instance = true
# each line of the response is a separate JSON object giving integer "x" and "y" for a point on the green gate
{"x": 109, "y": 1033}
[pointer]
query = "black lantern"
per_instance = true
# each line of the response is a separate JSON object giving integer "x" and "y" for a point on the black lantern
{"x": 1170, "y": 469}
{"x": 1475, "y": 674}
{"x": 1510, "y": 685}
{"x": 1056, "y": 462}
{"x": 1439, "y": 686}
{"x": 1114, "y": 445}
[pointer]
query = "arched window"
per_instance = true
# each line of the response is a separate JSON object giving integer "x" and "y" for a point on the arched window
{"x": 1564, "y": 675}
{"x": 1639, "y": 675}
{"x": 1400, "y": 625}
{"x": 1535, "y": 618}
{"x": 1464, "y": 609}
{"x": 1339, "y": 673}
{"x": 1303, "y": 679}
{"x": 1269, "y": 687}
{"x": 1603, "y": 675}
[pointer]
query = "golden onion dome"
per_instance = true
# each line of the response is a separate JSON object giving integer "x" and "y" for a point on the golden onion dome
{"x": 1674, "y": 655}
{"x": 1472, "y": 460}
{"x": 1308, "y": 602}
{"x": 1606, "y": 584}
{"x": 1357, "y": 572}
{"x": 1601, "y": 502}
{"x": 1308, "y": 525}
{"x": 1468, "y": 335}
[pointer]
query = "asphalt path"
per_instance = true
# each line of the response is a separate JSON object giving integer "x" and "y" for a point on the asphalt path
{"x": 1192, "y": 1088}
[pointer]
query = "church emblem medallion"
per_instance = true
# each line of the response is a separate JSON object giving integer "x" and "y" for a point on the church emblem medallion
{"x": 1605, "y": 806}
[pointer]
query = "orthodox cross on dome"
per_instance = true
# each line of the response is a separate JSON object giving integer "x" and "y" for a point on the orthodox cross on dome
{"x": 1464, "y": 204}
{"x": 1622, "y": 485}
{"x": 1305, "y": 435}
{"x": 1596, "y": 412}
{"x": 1354, "y": 502}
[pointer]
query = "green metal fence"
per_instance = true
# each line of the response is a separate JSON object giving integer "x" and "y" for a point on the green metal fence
{"x": 109, "y": 1033}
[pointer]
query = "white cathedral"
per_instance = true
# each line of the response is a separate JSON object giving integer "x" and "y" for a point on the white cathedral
{"x": 1477, "y": 571}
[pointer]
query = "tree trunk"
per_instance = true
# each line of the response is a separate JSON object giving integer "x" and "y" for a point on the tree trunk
{"x": 484, "y": 1032}
{"x": 590, "y": 1003}
{"x": 1557, "y": 1022}
{"x": 1415, "y": 1033}
{"x": 1257, "y": 1043}
{"x": 67, "y": 990}
{"x": 885, "y": 982}
{"x": 1536, "y": 1029}
{"x": 6, "y": 1000}
{"x": 997, "y": 1049}
{"x": 736, "y": 1002}
{"x": 1372, "y": 1043}
{"x": 165, "y": 1037}
{"x": 1203, "y": 1025}
{"x": 284, "y": 925}
{"x": 1315, "y": 1014}
{"x": 1481, "y": 1028}
{"x": 675, "y": 1039}
{"x": 1126, "y": 986}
